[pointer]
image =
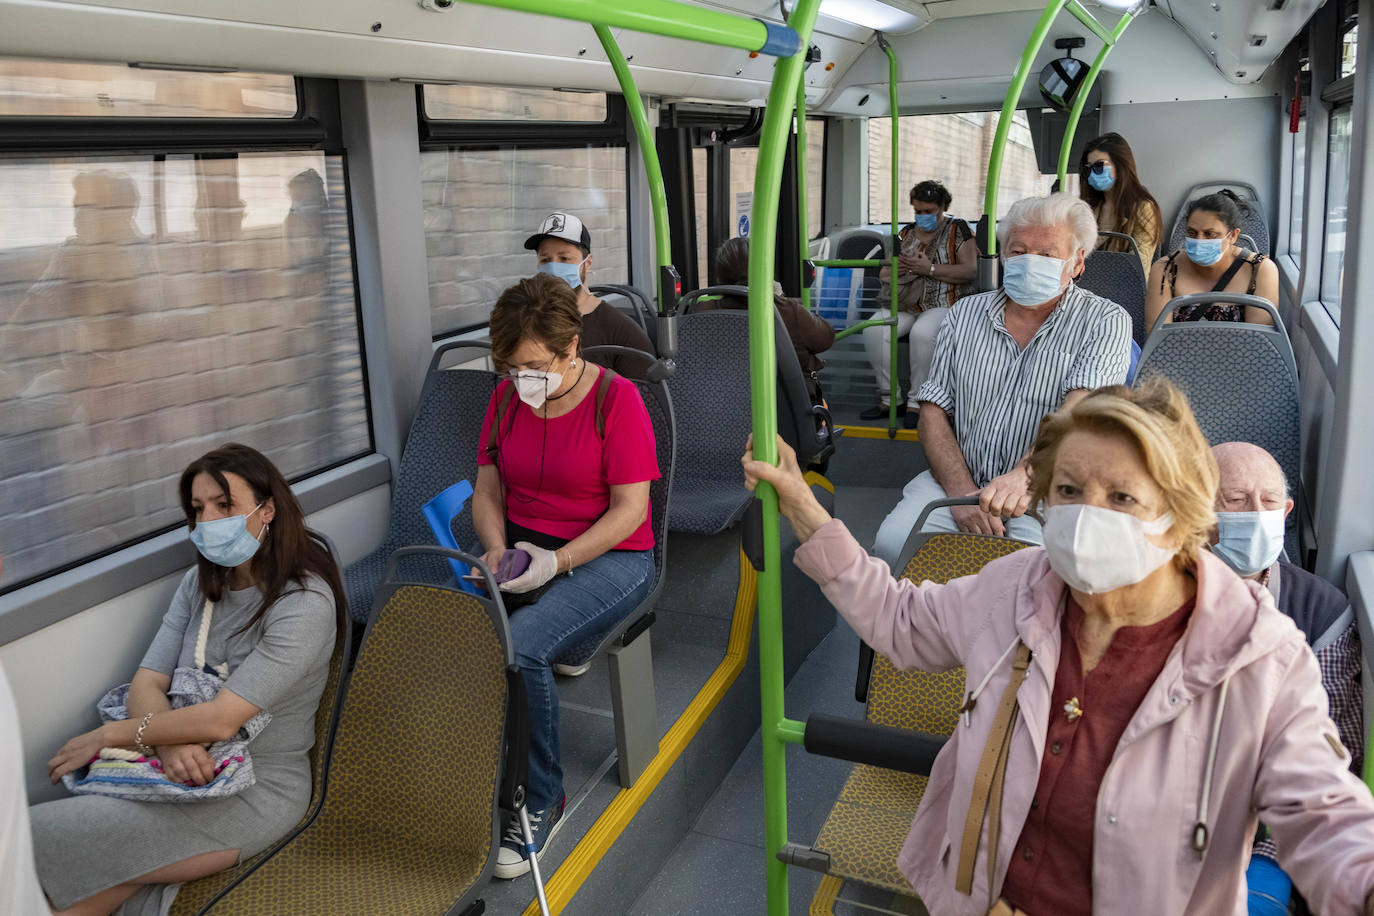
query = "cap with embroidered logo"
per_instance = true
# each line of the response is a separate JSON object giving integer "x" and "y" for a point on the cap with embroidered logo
{"x": 563, "y": 226}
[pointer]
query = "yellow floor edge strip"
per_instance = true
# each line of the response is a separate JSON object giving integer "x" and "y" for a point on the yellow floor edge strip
{"x": 878, "y": 432}
{"x": 578, "y": 866}
{"x": 827, "y": 892}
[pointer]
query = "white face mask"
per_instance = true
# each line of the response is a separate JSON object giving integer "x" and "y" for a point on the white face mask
{"x": 534, "y": 386}
{"x": 1249, "y": 541}
{"x": 1097, "y": 550}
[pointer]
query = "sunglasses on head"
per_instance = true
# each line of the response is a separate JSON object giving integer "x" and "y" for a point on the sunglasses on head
{"x": 1097, "y": 168}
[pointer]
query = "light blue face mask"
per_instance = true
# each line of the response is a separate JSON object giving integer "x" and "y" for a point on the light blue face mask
{"x": 1249, "y": 542}
{"x": 227, "y": 541}
{"x": 927, "y": 222}
{"x": 570, "y": 274}
{"x": 1030, "y": 279}
{"x": 1204, "y": 252}
{"x": 1101, "y": 180}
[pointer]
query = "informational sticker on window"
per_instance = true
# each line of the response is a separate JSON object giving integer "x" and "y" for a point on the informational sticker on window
{"x": 744, "y": 205}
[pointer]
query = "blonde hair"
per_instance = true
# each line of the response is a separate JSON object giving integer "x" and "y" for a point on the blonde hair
{"x": 1156, "y": 418}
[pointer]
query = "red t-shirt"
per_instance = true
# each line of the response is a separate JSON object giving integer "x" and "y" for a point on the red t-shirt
{"x": 558, "y": 473}
{"x": 1051, "y": 869}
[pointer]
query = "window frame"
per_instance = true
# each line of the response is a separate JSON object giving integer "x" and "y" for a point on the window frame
{"x": 438, "y": 133}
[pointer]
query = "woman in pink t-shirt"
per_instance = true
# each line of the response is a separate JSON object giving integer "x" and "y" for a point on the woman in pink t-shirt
{"x": 574, "y": 494}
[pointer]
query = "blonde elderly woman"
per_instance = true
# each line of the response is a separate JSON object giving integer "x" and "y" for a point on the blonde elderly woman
{"x": 1003, "y": 359}
{"x": 1136, "y": 707}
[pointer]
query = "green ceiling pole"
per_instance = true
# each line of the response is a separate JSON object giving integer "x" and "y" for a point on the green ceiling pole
{"x": 999, "y": 140}
{"x": 670, "y": 19}
{"x": 1081, "y": 98}
{"x": 894, "y": 385}
{"x": 763, "y": 389}
{"x": 803, "y": 217}
{"x": 648, "y": 150}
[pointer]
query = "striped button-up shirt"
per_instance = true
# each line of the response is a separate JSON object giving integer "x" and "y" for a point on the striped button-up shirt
{"x": 995, "y": 393}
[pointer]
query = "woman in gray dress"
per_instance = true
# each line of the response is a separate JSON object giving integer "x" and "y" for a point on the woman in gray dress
{"x": 276, "y": 604}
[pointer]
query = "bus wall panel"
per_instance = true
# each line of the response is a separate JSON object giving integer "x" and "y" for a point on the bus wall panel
{"x": 99, "y": 647}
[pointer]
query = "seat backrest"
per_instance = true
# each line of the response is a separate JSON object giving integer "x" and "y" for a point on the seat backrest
{"x": 637, "y": 305}
{"x": 1116, "y": 275}
{"x": 1240, "y": 378}
{"x": 1252, "y": 224}
{"x": 859, "y": 246}
{"x": 410, "y": 816}
{"x": 797, "y": 416}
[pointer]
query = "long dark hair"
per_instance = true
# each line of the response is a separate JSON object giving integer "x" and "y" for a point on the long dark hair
{"x": 1229, "y": 208}
{"x": 1132, "y": 204}
{"x": 289, "y": 552}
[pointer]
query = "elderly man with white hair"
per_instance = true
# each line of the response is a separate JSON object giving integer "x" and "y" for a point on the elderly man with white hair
{"x": 1252, "y": 503}
{"x": 1003, "y": 360}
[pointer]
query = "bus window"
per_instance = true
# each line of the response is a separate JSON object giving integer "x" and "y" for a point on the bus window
{"x": 481, "y": 205}
{"x": 815, "y": 176}
{"x": 744, "y": 162}
{"x": 153, "y": 307}
{"x": 952, "y": 148}
{"x": 699, "y": 179}
{"x": 1337, "y": 182}
{"x": 483, "y": 103}
{"x": 46, "y": 88}
{"x": 1295, "y": 211}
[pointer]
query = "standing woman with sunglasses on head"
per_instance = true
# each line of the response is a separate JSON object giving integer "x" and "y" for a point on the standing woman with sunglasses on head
{"x": 565, "y": 460}
{"x": 1108, "y": 182}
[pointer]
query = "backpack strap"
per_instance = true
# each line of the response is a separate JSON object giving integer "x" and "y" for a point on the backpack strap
{"x": 503, "y": 400}
{"x": 603, "y": 386}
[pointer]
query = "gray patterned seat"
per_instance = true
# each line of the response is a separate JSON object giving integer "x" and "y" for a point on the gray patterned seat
{"x": 1116, "y": 275}
{"x": 1241, "y": 379}
{"x": 440, "y": 450}
{"x": 1253, "y": 223}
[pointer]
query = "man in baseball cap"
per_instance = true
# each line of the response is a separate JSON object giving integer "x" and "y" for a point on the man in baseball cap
{"x": 564, "y": 249}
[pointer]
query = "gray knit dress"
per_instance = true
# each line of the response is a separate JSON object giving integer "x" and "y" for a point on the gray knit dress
{"x": 87, "y": 843}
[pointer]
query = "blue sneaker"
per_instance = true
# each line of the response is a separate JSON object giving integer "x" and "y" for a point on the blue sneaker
{"x": 511, "y": 861}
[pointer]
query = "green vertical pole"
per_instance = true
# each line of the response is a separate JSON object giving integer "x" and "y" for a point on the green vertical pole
{"x": 894, "y": 386}
{"x": 1081, "y": 99}
{"x": 999, "y": 140}
{"x": 648, "y": 151}
{"x": 803, "y": 217}
{"x": 763, "y": 389}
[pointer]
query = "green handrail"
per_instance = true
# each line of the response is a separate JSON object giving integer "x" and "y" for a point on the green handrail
{"x": 658, "y": 197}
{"x": 850, "y": 262}
{"x": 670, "y": 19}
{"x": 862, "y": 325}
{"x": 894, "y": 386}
{"x": 763, "y": 390}
{"x": 803, "y": 217}
{"x": 999, "y": 140}
{"x": 1082, "y": 98}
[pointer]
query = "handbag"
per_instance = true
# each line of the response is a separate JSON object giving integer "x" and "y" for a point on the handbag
{"x": 121, "y": 773}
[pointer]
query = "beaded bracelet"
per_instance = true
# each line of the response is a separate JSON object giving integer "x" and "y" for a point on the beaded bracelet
{"x": 143, "y": 749}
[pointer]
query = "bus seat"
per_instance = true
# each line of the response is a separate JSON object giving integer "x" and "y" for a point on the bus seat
{"x": 196, "y": 896}
{"x": 1116, "y": 275}
{"x": 1240, "y": 379}
{"x": 805, "y": 426}
{"x": 452, "y": 404}
{"x": 1253, "y": 224}
{"x": 634, "y": 302}
{"x": 410, "y": 813}
{"x": 870, "y": 820}
{"x": 712, "y": 363}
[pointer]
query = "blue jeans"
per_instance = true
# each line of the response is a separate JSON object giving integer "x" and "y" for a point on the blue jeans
{"x": 586, "y": 603}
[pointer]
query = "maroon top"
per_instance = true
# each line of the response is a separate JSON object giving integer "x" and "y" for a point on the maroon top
{"x": 1051, "y": 869}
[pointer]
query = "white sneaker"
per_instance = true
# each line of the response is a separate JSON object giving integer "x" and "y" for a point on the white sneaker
{"x": 572, "y": 670}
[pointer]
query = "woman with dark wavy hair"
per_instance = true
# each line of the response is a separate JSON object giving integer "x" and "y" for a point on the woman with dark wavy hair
{"x": 1108, "y": 182}
{"x": 263, "y": 606}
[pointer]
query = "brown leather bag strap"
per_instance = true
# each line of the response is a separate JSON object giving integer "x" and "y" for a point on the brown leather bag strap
{"x": 602, "y": 386}
{"x": 502, "y": 405}
{"x": 988, "y": 782}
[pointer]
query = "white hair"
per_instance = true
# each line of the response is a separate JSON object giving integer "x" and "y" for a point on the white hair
{"x": 1065, "y": 210}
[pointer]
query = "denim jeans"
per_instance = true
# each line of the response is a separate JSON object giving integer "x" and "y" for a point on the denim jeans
{"x": 587, "y": 602}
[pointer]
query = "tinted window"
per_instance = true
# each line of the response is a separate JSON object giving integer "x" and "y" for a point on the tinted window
{"x": 483, "y": 103}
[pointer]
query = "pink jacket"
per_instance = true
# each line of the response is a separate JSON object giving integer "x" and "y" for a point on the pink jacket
{"x": 1274, "y": 754}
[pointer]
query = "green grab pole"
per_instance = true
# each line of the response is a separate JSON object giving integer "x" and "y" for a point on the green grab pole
{"x": 802, "y": 216}
{"x": 893, "y": 384}
{"x": 1082, "y": 98}
{"x": 763, "y": 391}
{"x": 856, "y": 328}
{"x": 1080, "y": 12}
{"x": 648, "y": 150}
{"x": 850, "y": 262}
{"x": 999, "y": 140}
{"x": 668, "y": 18}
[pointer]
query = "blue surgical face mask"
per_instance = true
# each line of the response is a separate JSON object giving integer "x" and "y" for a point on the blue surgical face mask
{"x": 927, "y": 222}
{"x": 227, "y": 541}
{"x": 1101, "y": 179}
{"x": 1249, "y": 542}
{"x": 570, "y": 274}
{"x": 1204, "y": 252}
{"x": 1030, "y": 279}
